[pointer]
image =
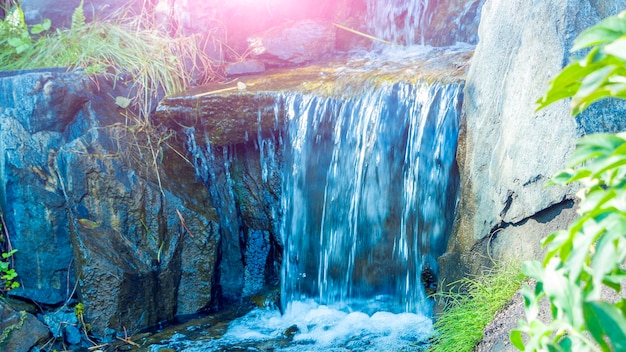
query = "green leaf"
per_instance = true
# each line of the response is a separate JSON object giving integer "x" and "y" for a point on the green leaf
{"x": 593, "y": 81}
{"x": 610, "y": 163}
{"x": 555, "y": 348}
{"x": 561, "y": 178}
{"x": 603, "y": 319}
{"x": 605, "y": 256}
{"x": 608, "y": 30}
{"x": 595, "y": 145}
{"x": 14, "y": 41}
{"x": 41, "y": 27}
{"x": 516, "y": 339}
{"x": 122, "y": 102}
{"x": 78, "y": 18}
{"x": 9, "y": 254}
{"x": 614, "y": 281}
{"x": 533, "y": 269}
{"x": 566, "y": 83}
{"x": 617, "y": 48}
{"x": 580, "y": 247}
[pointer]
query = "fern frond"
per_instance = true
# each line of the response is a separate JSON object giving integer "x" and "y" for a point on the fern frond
{"x": 78, "y": 18}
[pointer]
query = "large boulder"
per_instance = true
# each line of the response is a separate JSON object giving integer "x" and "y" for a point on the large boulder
{"x": 37, "y": 112}
{"x": 294, "y": 43}
{"x": 129, "y": 234}
{"x": 507, "y": 150}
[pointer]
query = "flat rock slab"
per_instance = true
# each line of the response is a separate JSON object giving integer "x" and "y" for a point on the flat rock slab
{"x": 231, "y": 112}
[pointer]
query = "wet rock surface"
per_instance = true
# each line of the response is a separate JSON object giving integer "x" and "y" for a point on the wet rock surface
{"x": 244, "y": 68}
{"x": 453, "y": 21}
{"x": 89, "y": 199}
{"x": 235, "y": 112}
{"x": 19, "y": 331}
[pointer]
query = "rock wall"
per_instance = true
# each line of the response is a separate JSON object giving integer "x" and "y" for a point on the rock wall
{"x": 507, "y": 150}
{"x": 119, "y": 215}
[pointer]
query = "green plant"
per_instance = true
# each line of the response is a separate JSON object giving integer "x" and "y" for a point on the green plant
{"x": 590, "y": 255}
{"x": 15, "y": 36}
{"x": 471, "y": 306}
{"x": 153, "y": 63}
{"x": 600, "y": 74}
{"x": 8, "y": 274}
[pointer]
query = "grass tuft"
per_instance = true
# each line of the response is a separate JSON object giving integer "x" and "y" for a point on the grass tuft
{"x": 154, "y": 63}
{"x": 471, "y": 305}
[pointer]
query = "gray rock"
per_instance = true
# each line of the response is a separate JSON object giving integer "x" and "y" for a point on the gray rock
{"x": 244, "y": 68}
{"x": 294, "y": 43}
{"x": 453, "y": 21}
{"x": 33, "y": 205}
{"x": 80, "y": 196}
{"x": 507, "y": 151}
{"x": 19, "y": 331}
{"x": 255, "y": 254}
{"x": 72, "y": 335}
{"x": 58, "y": 320}
{"x": 128, "y": 234}
{"x": 60, "y": 13}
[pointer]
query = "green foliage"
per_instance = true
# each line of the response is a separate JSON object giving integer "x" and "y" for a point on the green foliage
{"x": 472, "y": 305}
{"x": 15, "y": 36}
{"x": 78, "y": 18}
{"x": 591, "y": 254}
{"x": 600, "y": 74}
{"x": 7, "y": 273}
{"x": 155, "y": 62}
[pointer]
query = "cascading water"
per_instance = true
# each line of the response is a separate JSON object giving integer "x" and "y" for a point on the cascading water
{"x": 369, "y": 192}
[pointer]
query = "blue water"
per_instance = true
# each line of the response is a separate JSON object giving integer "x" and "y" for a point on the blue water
{"x": 368, "y": 195}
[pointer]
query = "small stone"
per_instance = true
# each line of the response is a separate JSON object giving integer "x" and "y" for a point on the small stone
{"x": 58, "y": 321}
{"x": 72, "y": 335}
{"x": 292, "y": 330}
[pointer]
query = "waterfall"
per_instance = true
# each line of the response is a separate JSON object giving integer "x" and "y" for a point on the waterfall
{"x": 368, "y": 186}
{"x": 369, "y": 192}
{"x": 398, "y": 21}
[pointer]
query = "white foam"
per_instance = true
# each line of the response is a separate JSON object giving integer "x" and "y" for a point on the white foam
{"x": 322, "y": 327}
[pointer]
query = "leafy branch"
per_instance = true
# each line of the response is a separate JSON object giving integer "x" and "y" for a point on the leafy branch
{"x": 589, "y": 255}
